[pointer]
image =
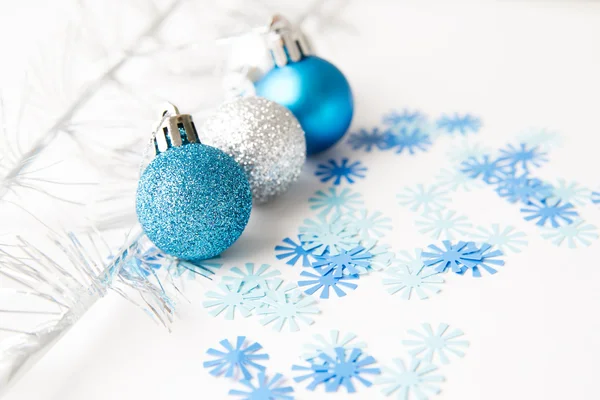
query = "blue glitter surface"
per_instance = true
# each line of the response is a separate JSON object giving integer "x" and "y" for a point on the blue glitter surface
{"x": 193, "y": 201}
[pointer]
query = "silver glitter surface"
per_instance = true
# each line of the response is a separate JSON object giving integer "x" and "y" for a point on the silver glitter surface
{"x": 264, "y": 138}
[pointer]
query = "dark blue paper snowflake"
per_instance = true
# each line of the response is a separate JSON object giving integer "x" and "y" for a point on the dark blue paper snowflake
{"x": 522, "y": 188}
{"x": 233, "y": 359}
{"x": 325, "y": 281}
{"x": 363, "y": 139}
{"x": 337, "y": 172}
{"x": 522, "y": 156}
{"x": 596, "y": 197}
{"x": 344, "y": 263}
{"x": 339, "y": 371}
{"x": 488, "y": 258}
{"x": 411, "y": 139}
{"x": 548, "y": 210}
{"x": 395, "y": 118}
{"x": 490, "y": 171}
{"x": 265, "y": 390}
{"x": 454, "y": 256}
{"x": 462, "y": 124}
{"x": 296, "y": 251}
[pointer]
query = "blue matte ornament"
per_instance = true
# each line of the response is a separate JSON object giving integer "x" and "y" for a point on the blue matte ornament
{"x": 316, "y": 91}
{"x": 193, "y": 201}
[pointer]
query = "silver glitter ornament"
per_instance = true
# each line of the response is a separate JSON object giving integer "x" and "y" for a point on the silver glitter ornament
{"x": 264, "y": 138}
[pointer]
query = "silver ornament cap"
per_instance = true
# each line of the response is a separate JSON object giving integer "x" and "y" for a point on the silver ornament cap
{"x": 264, "y": 138}
{"x": 285, "y": 42}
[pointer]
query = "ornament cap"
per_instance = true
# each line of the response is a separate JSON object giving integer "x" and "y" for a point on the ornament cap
{"x": 285, "y": 42}
{"x": 174, "y": 130}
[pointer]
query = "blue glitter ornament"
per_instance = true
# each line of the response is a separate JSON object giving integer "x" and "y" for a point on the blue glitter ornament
{"x": 193, "y": 200}
{"x": 316, "y": 92}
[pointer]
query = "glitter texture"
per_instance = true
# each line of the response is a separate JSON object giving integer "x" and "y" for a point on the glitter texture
{"x": 264, "y": 138}
{"x": 193, "y": 201}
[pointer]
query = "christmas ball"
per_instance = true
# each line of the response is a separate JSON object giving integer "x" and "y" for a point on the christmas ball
{"x": 264, "y": 138}
{"x": 317, "y": 93}
{"x": 193, "y": 201}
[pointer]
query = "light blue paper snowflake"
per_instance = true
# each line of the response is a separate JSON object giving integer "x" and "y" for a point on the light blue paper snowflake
{"x": 404, "y": 280}
{"x": 332, "y": 201}
{"x": 276, "y": 287}
{"x": 415, "y": 382}
{"x": 231, "y": 360}
{"x": 595, "y": 197}
{"x": 395, "y": 118}
{"x": 366, "y": 140}
{"x": 324, "y": 281}
{"x": 490, "y": 171}
{"x": 249, "y": 279}
{"x": 341, "y": 370}
{"x": 541, "y": 137}
{"x": 489, "y": 258}
{"x": 454, "y": 179}
{"x": 328, "y": 235}
{"x": 462, "y": 124}
{"x": 522, "y": 188}
{"x": 523, "y": 157}
{"x": 444, "y": 224}
{"x": 368, "y": 225}
{"x": 465, "y": 150}
{"x": 570, "y": 192}
{"x": 344, "y": 263}
{"x": 576, "y": 234}
{"x": 504, "y": 239}
{"x": 146, "y": 260}
{"x": 453, "y": 256}
{"x": 332, "y": 171}
{"x": 296, "y": 251}
{"x": 265, "y": 390}
{"x": 205, "y": 268}
{"x": 547, "y": 210}
{"x": 409, "y": 139}
{"x": 424, "y": 199}
{"x": 231, "y": 298}
{"x": 406, "y": 259}
{"x": 328, "y": 345}
{"x": 429, "y": 344}
{"x": 282, "y": 308}
{"x": 381, "y": 256}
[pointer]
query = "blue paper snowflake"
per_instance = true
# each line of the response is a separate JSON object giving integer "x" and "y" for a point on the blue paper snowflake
{"x": 328, "y": 235}
{"x": 462, "y": 124}
{"x": 328, "y": 345}
{"x": 541, "y": 137}
{"x": 145, "y": 260}
{"x": 410, "y": 139}
{"x": 332, "y": 171}
{"x": 465, "y": 150}
{"x": 341, "y": 370}
{"x": 283, "y": 307}
{"x": 404, "y": 280}
{"x": 366, "y": 140}
{"x": 488, "y": 258}
{"x": 424, "y": 199}
{"x": 569, "y": 192}
{"x": 205, "y": 268}
{"x": 453, "y": 256}
{"x": 415, "y": 382}
{"x": 231, "y": 360}
{"x": 547, "y": 210}
{"x": 504, "y": 239}
{"x": 325, "y": 281}
{"x": 296, "y": 251}
{"x": 577, "y": 233}
{"x": 395, "y": 118}
{"x": 369, "y": 225}
{"x": 381, "y": 256}
{"x": 346, "y": 201}
{"x": 595, "y": 197}
{"x": 344, "y": 263}
{"x": 523, "y": 156}
{"x": 454, "y": 179}
{"x": 430, "y": 344}
{"x": 490, "y": 171}
{"x": 231, "y": 298}
{"x": 444, "y": 224}
{"x": 522, "y": 188}
{"x": 249, "y": 279}
{"x": 266, "y": 389}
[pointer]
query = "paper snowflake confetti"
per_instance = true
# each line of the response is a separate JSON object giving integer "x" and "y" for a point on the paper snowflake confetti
{"x": 404, "y": 280}
{"x": 490, "y": 171}
{"x": 595, "y": 197}
{"x": 406, "y": 259}
{"x": 205, "y": 268}
{"x": 231, "y": 298}
{"x": 453, "y": 256}
{"x": 344, "y": 263}
{"x": 324, "y": 281}
{"x": 284, "y": 308}
{"x": 428, "y": 345}
{"x": 366, "y": 140}
{"x": 552, "y": 211}
{"x": 455, "y": 179}
{"x": 418, "y": 381}
{"x": 462, "y": 124}
{"x": 489, "y": 257}
{"x": 296, "y": 251}
{"x": 341, "y": 370}
{"x": 328, "y": 235}
{"x": 522, "y": 188}
{"x": 368, "y": 225}
{"x": 465, "y": 150}
{"x": 395, "y": 118}
{"x": 411, "y": 140}
{"x": 249, "y": 279}
{"x": 381, "y": 256}
{"x": 444, "y": 224}
{"x": 232, "y": 360}
{"x": 541, "y": 137}
{"x": 523, "y": 156}
{"x": 504, "y": 239}
{"x": 328, "y": 345}
{"x": 265, "y": 390}
{"x": 424, "y": 199}
{"x": 330, "y": 201}
{"x": 569, "y": 192}
{"x": 576, "y": 234}
{"x": 332, "y": 171}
